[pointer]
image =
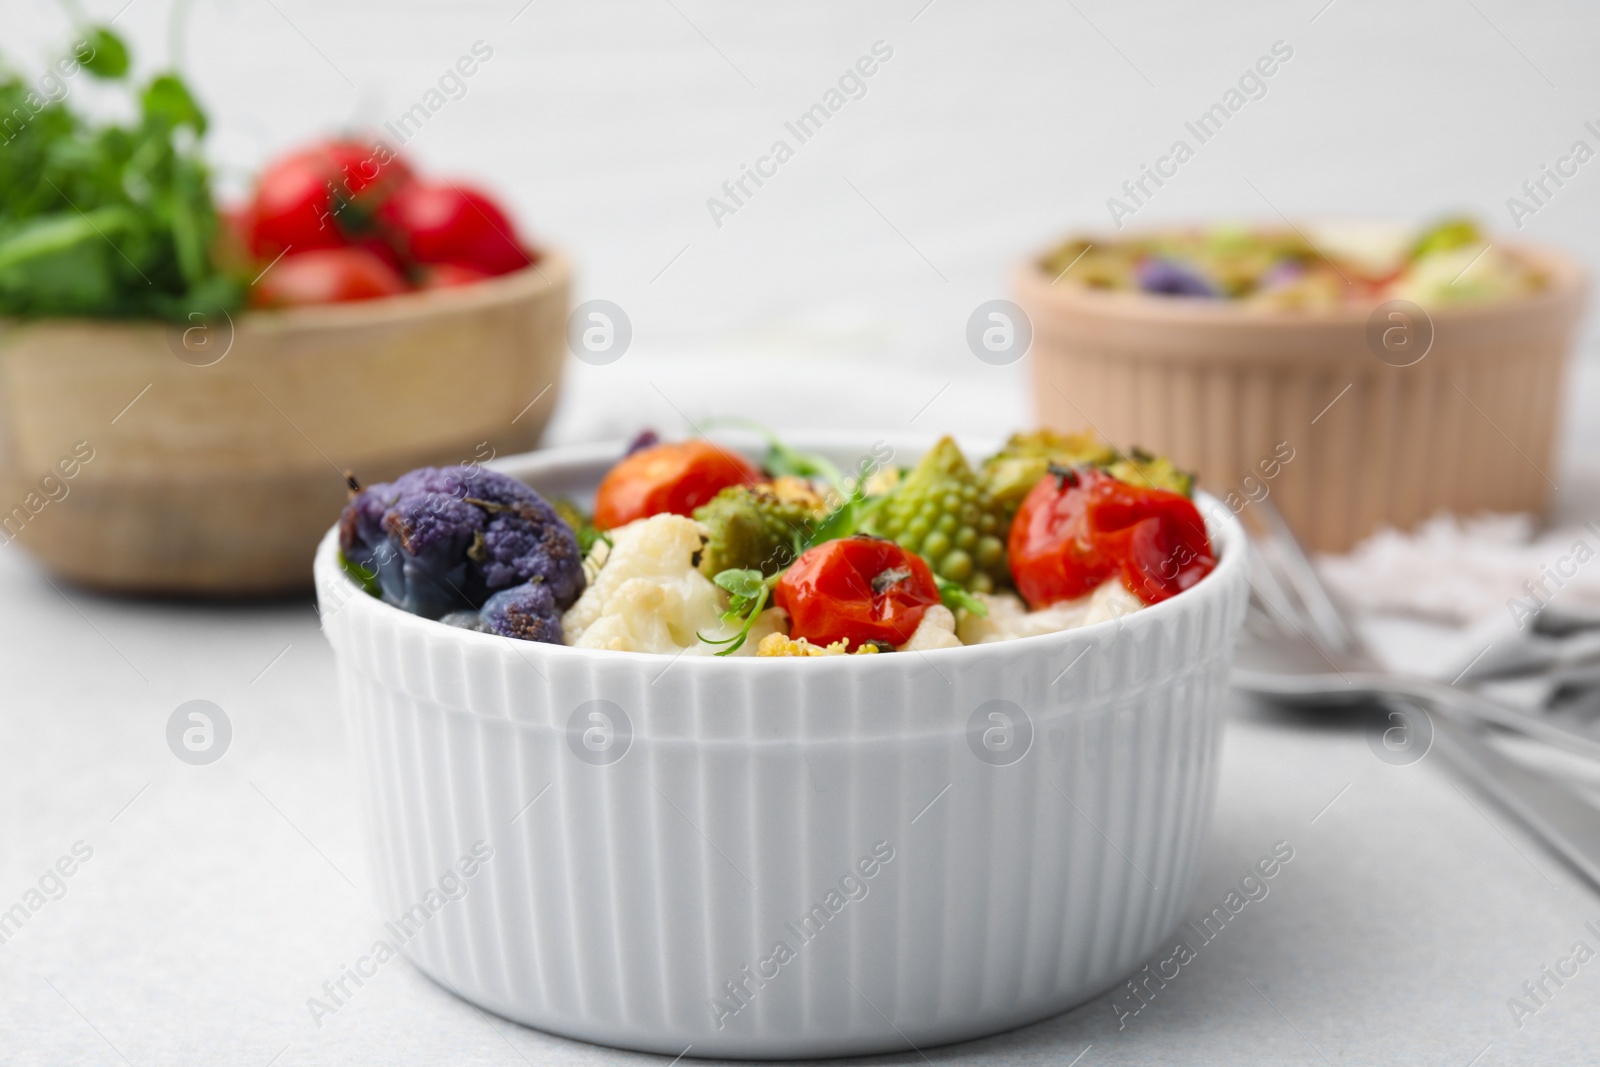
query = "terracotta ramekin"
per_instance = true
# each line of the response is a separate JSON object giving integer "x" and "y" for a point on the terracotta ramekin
{"x": 784, "y": 858}
{"x": 1230, "y": 391}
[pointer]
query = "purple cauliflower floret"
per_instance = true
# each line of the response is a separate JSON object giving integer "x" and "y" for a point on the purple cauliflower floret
{"x": 1171, "y": 278}
{"x": 439, "y": 540}
{"x": 643, "y": 439}
{"x": 527, "y": 612}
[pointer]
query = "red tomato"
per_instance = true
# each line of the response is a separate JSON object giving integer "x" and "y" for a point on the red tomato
{"x": 231, "y": 245}
{"x": 673, "y": 479}
{"x": 326, "y": 276}
{"x": 237, "y": 222}
{"x": 312, "y": 198}
{"x": 446, "y": 275}
{"x": 858, "y": 589}
{"x": 448, "y": 223}
{"x": 1077, "y": 528}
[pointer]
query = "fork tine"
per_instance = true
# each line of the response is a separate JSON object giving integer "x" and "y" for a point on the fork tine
{"x": 1268, "y": 594}
{"x": 1285, "y": 555}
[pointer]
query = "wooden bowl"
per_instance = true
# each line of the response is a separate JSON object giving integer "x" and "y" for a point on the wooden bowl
{"x": 1299, "y": 404}
{"x": 209, "y": 460}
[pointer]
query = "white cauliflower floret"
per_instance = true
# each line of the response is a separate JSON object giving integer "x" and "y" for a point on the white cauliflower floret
{"x": 1112, "y": 600}
{"x": 936, "y": 630}
{"x": 645, "y": 594}
{"x": 1009, "y": 617}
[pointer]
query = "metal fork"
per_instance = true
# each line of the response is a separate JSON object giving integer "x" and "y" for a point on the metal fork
{"x": 1300, "y": 646}
{"x": 1288, "y": 596}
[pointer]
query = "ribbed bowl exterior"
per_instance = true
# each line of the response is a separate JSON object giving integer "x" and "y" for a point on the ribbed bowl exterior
{"x": 1226, "y": 390}
{"x": 641, "y": 902}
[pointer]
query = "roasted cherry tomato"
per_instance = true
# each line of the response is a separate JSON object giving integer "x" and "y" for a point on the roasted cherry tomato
{"x": 326, "y": 276}
{"x": 447, "y": 223}
{"x": 1078, "y": 527}
{"x": 857, "y": 588}
{"x": 673, "y": 478}
{"x": 318, "y": 197}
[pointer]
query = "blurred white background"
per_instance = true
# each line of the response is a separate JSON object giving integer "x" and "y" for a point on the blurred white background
{"x": 993, "y": 130}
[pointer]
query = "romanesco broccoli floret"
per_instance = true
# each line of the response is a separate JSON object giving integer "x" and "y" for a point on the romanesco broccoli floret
{"x": 943, "y": 512}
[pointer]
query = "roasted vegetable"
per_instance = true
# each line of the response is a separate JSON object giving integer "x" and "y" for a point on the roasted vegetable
{"x": 1138, "y": 467}
{"x": 527, "y": 612}
{"x": 755, "y": 528}
{"x": 857, "y": 590}
{"x": 1010, "y": 473}
{"x": 675, "y": 477}
{"x": 441, "y": 540}
{"x": 581, "y": 525}
{"x": 1080, "y": 527}
{"x": 1017, "y": 468}
{"x": 944, "y": 513}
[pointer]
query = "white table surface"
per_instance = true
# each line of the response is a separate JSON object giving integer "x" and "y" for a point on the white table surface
{"x": 219, "y": 898}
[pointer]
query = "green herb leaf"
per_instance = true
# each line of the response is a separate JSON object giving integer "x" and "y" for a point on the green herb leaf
{"x": 367, "y": 580}
{"x": 54, "y": 234}
{"x": 580, "y": 524}
{"x": 842, "y": 521}
{"x": 107, "y": 220}
{"x": 167, "y": 99}
{"x": 782, "y": 458}
{"x": 105, "y": 55}
{"x": 748, "y": 592}
{"x": 956, "y": 597}
{"x": 744, "y": 584}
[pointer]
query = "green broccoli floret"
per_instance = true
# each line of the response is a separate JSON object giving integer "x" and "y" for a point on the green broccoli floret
{"x": 1026, "y": 457}
{"x": 1138, "y": 467}
{"x": 1010, "y": 473}
{"x": 754, "y": 528}
{"x": 943, "y": 512}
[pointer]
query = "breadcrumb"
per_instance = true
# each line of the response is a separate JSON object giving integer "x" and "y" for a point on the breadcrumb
{"x": 778, "y": 644}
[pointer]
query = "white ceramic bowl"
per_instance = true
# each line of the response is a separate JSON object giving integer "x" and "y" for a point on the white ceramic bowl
{"x": 656, "y": 826}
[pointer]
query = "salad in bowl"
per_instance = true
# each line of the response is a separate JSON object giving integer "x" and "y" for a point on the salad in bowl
{"x": 556, "y": 660}
{"x": 1318, "y": 266}
{"x": 692, "y": 548}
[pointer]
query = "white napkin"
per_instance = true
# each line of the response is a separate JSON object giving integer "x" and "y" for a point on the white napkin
{"x": 1461, "y": 597}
